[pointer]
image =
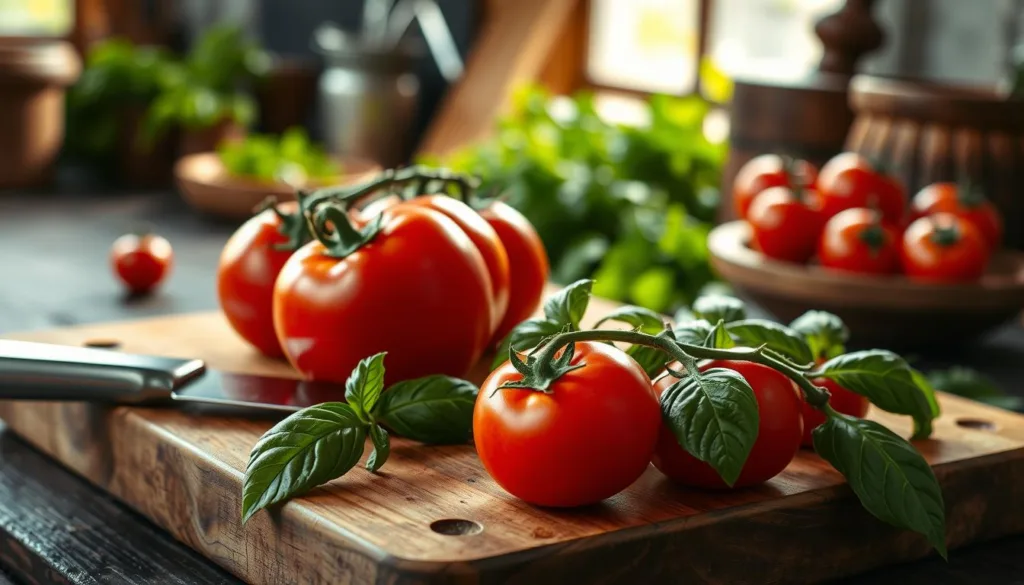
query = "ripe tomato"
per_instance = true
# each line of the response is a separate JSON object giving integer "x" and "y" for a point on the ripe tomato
{"x": 963, "y": 202}
{"x": 248, "y": 266}
{"x": 786, "y": 227}
{"x": 141, "y": 261}
{"x": 850, "y": 180}
{"x": 486, "y": 240}
{"x": 418, "y": 290}
{"x": 528, "y": 261}
{"x": 856, "y": 240}
{"x": 943, "y": 248}
{"x": 779, "y": 433}
{"x": 585, "y": 440}
{"x": 769, "y": 170}
{"x": 842, "y": 400}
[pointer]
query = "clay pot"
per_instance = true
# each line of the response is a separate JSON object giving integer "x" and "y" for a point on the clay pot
{"x": 198, "y": 140}
{"x": 34, "y": 76}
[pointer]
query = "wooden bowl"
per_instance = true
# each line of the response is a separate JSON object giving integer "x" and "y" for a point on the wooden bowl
{"x": 890, "y": 312}
{"x": 206, "y": 185}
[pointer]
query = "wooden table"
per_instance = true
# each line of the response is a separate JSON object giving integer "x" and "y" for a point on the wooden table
{"x": 56, "y": 528}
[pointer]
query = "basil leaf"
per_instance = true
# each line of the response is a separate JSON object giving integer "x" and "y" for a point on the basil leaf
{"x": 640, "y": 318}
{"x": 717, "y": 307}
{"x": 567, "y": 306}
{"x": 964, "y": 382}
{"x": 308, "y": 448}
{"x": 926, "y": 387}
{"x": 363, "y": 387}
{"x": 651, "y": 359}
{"x": 782, "y": 339}
{"x": 435, "y": 409}
{"x": 381, "y": 448}
{"x": 889, "y": 476}
{"x": 526, "y": 335}
{"x": 693, "y": 333}
{"x": 826, "y": 334}
{"x": 714, "y": 417}
{"x": 719, "y": 338}
{"x": 886, "y": 380}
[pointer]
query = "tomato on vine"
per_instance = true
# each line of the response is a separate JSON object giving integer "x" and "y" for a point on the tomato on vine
{"x": 966, "y": 201}
{"x": 943, "y": 247}
{"x": 141, "y": 261}
{"x": 586, "y": 437}
{"x": 766, "y": 171}
{"x": 786, "y": 223}
{"x": 849, "y": 180}
{"x": 857, "y": 240}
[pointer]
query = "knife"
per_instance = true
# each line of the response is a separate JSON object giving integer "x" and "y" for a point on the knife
{"x": 49, "y": 372}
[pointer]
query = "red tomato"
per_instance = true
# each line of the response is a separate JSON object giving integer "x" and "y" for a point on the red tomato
{"x": 419, "y": 290}
{"x": 587, "y": 439}
{"x": 779, "y": 433}
{"x": 842, "y": 400}
{"x": 970, "y": 205}
{"x": 486, "y": 240}
{"x": 785, "y": 227}
{"x": 249, "y": 265}
{"x": 849, "y": 180}
{"x": 528, "y": 261}
{"x": 141, "y": 261}
{"x": 856, "y": 240}
{"x": 943, "y": 248}
{"x": 768, "y": 170}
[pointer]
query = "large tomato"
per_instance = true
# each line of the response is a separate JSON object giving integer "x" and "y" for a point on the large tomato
{"x": 850, "y": 180}
{"x": 786, "y": 226}
{"x": 249, "y": 265}
{"x": 857, "y": 240}
{"x": 779, "y": 431}
{"x": 969, "y": 204}
{"x": 765, "y": 171}
{"x": 943, "y": 248}
{"x": 528, "y": 261}
{"x": 418, "y": 290}
{"x": 586, "y": 439}
{"x": 842, "y": 400}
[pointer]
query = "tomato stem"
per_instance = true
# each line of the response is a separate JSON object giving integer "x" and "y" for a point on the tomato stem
{"x": 332, "y": 226}
{"x": 417, "y": 180}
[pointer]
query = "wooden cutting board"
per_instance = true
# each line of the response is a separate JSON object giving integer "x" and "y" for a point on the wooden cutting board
{"x": 434, "y": 516}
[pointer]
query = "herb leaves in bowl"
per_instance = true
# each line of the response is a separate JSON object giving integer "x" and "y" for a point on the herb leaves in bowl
{"x": 291, "y": 158}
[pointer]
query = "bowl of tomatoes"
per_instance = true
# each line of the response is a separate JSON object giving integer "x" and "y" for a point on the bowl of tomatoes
{"x": 907, "y": 270}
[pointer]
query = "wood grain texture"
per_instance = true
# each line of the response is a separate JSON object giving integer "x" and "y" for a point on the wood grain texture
{"x": 184, "y": 471}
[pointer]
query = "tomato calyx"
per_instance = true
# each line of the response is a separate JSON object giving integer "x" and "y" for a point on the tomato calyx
{"x": 873, "y": 235}
{"x": 944, "y": 235}
{"x": 291, "y": 225}
{"x": 540, "y": 372}
{"x": 332, "y": 226}
{"x": 970, "y": 193}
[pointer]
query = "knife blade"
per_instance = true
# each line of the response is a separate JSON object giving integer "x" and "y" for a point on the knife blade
{"x": 51, "y": 372}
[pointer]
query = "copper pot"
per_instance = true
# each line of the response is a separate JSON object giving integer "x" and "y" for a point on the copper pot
{"x": 34, "y": 76}
{"x": 928, "y": 132}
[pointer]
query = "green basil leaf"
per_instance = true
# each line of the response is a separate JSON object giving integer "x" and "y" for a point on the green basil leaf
{"x": 567, "y": 306}
{"x": 693, "y": 332}
{"x": 717, "y": 307}
{"x": 782, "y": 339}
{"x": 435, "y": 409}
{"x": 719, "y": 337}
{"x": 926, "y": 387}
{"x": 381, "y": 448}
{"x": 640, "y": 318}
{"x": 889, "y": 476}
{"x": 886, "y": 380}
{"x": 964, "y": 382}
{"x": 526, "y": 335}
{"x": 363, "y": 387}
{"x": 308, "y": 448}
{"x": 714, "y": 417}
{"x": 826, "y": 334}
{"x": 651, "y": 359}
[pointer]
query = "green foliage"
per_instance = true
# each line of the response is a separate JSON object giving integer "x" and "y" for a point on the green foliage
{"x": 629, "y": 206}
{"x": 291, "y": 158}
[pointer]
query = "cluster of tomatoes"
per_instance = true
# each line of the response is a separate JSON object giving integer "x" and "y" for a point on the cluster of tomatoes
{"x": 436, "y": 286}
{"x": 854, "y": 217}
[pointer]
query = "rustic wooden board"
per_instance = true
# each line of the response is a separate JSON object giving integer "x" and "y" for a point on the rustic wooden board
{"x": 184, "y": 472}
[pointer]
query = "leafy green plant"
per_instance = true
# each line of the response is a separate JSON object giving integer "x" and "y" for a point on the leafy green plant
{"x": 291, "y": 158}
{"x": 970, "y": 383}
{"x": 629, "y": 206}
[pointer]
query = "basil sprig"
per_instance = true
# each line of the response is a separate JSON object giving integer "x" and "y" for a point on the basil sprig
{"x": 324, "y": 442}
{"x": 563, "y": 311}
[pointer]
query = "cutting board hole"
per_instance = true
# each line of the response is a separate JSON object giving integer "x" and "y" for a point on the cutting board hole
{"x": 978, "y": 424}
{"x": 456, "y": 527}
{"x": 103, "y": 343}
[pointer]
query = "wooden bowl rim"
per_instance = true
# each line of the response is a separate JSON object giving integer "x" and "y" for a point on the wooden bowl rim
{"x": 190, "y": 168}
{"x": 751, "y": 269}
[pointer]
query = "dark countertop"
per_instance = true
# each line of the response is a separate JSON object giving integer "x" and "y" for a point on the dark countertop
{"x": 56, "y": 528}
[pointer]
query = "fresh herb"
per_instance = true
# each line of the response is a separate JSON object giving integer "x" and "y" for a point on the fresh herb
{"x": 291, "y": 158}
{"x": 970, "y": 383}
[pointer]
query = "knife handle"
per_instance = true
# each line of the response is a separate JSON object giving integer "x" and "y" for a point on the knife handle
{"x": 42, "y": 371}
